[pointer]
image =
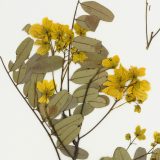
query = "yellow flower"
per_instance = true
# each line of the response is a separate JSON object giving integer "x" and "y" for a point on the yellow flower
{"x": 137, "y": 108}
{"x": 79, "y": 57}
{"x": 111, "y": 62}
{"x": 139, "y": 90}
{"x": 115, "y": 85}
{"x": 41, "y": 31}
{"x": 140, "y": 133}
{"x": 47, "y": 90}
{"x": 44, "y": 46}
{"x": 128, "y": 136}
{"x": 79, "y": 30}
{"x": 135, "y": 72}
{"x": 156, "y": 137}
{"x": 130, "y": 98}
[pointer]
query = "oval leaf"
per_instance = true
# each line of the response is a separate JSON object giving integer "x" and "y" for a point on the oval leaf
{"x": 22, "y": 52}
{"x": 87, "y": 109}
{"x": 121, "y": 154}
{"x": 139, "y": 153}
{"x": 96, "y": 9}
{"x": 87, "y": 44}
{"x": 83, "y": 76}
{"x": 92, "y": 93}
{"x": 47, "y": 64}
{"x": 99, "y": 102}
{"x": 88, "y": 22}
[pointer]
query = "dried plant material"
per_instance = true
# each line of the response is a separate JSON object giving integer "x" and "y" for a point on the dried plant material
{"x": 83, "y": 76}
{"x": 87, "y": 109}
{"x": 58, "y": 103}
{"x": 88, "y": 22}
{"x": 99, "y": 102}
{"x": 22, "y": 52}
{"x": 86, "y": 44}
{"x": 82, "y": 154}
{"x": 92, "y": 93}
{"x": 121, "y": 154}
{"x": 96, "y": 9}
{"x": 152, "y": 35}
{"x": 45, "y": 78}
{"x": 26, "y": 28}
{"x": 19, "y": 75}
{"x": 141, "y": 154}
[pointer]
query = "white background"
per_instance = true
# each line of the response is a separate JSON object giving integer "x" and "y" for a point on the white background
{"x": 21, "y": 135}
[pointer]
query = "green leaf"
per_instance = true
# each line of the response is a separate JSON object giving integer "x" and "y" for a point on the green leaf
{"x": 26, "y": 28}
{"x": 87, "y": 109}
{"x": 82, "y": 154}
{"x": 22, "y": 52}
{"x": 68, "y": 128}
{"x": 88, "y": 22}
{"x": 96, "y": 9}
{"x": 79, "y": 93}
{"x": 156, "y": 154}
{"x": 99, "y": 102}
{"x": 19, "y": 75}
{"x": 140, "y": 152}
{"x": 87, "y": 44}
{"x": 121, "y": 154}
{"x": 47, "y": 64}
{"x": 83, "y": 76}
{"x": 58, "y": 103}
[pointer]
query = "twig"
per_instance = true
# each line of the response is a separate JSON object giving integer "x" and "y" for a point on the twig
{"x": 149, "y": 152}
{"x": 152, "y": 34}
{"x": 100, "y": 120}
{"x": 84, "y": 101}
{"x": 31, "y": 108}
{"x": 131, "y": 143}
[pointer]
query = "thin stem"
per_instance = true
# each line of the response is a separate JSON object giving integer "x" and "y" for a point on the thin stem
{"x": 120, "y": 105}
{"x": 31, "y": 108}
{"x": 149, "y": 152}
{"x": 153, "y": 35}
{"x": 68, "y": 70}
{"x": 56, "y": 134}
{"x": 84, "y": 101}
{"x": 131, "y": 143}
{"x": 62, "y": 73}
{"x": 100, "y": 120}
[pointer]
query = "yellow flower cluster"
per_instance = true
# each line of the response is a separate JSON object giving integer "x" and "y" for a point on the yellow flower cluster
{"x": 79, "y": 30}
{"x": 156, "y": 137}
{"x": 48, "y": 31}
{"x": 78, "y": 56}
{"x": 125, "y": 82}
{"x": 140, "y": 133}
{"x": 47, "y": 89}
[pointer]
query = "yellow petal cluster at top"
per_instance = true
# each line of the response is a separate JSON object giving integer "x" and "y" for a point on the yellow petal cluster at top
{"x": 48, "y": 31}
{"x": 140, "y": 133}
{"x": 46, "y": 88}
{"x": 156, "y": 137}
{"x": 78, "y": 56}
{"x": 125, "y": 83}
{"x": 79, "y": 30}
